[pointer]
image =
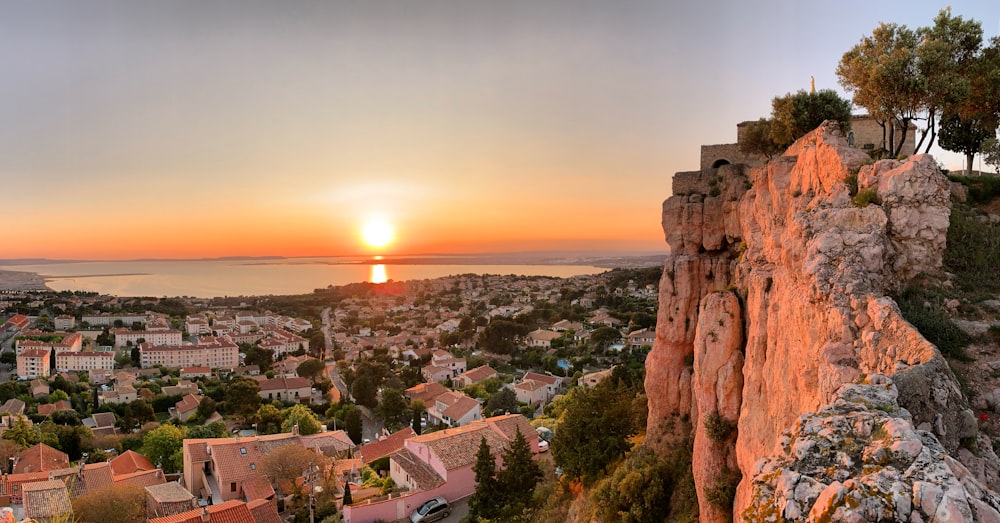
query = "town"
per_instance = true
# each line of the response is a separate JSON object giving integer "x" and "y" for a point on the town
{"x": 359, "y": 403}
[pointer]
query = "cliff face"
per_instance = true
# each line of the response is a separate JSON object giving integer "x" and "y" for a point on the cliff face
{"x": 774, "y": 297}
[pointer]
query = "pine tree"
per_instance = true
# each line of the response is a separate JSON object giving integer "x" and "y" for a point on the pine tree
{"x": 520, "y": 474}
{"x": 487, "y": 500}
{"x": 347, "y": 494}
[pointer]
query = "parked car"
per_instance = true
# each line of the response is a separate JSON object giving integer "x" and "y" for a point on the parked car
{"x": 543, "y": 445}
{"x": 432, "y": 510}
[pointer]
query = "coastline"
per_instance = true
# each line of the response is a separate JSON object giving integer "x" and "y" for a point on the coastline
{"x": 22, "y": 281}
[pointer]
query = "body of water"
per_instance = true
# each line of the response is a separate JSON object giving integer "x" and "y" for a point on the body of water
{"x": 210, "y": 278}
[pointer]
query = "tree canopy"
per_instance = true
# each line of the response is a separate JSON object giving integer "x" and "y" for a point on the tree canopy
{"x": 792, "y": 116}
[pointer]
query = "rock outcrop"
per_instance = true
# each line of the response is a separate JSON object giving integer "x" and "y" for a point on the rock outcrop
{"x": 808, "y": 267}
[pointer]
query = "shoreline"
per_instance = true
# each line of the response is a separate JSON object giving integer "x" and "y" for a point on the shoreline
{"x": 15, "y": 281}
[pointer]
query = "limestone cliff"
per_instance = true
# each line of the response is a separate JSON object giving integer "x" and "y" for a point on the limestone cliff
{"x": 776, "y": 294}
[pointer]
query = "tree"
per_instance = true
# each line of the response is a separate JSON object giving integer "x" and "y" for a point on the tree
{"x": 519, "y": 475}
{"x": 136, "y": 356}
{"x": 206, "y": 407}
{"x": 352, "y": 424}
{"x": 21, "y": 433}
{"x": 504, "y": 400}
{"x": 487, "y": 500}
{"x": 137, "y": 412}
{"x": 242, "y": 398}
{"x": 311, "y": 369}
{"x": 303, "y": 417}
{"x": 756, "y": 140}
{"x": 8, "y": 449}
{"x": 417, "y": 406}
{"x": 58, "y": 395}
{"x": 963, "y": 136}
{"x": 347, "y": 494}
{"x": 288, "y": 462}
{"x": 794, "y": 115}
{"x": 577, "y": 447}
{"x": 268, "y": 419}
{"x": 500, "y": 336}
{"x": 991, "y": 153}
{"x": 161, "y": 444}
{"x": 881, "y": 72}
{"x": 121, "y": 503}
{"x": 392, "y": 408}
{"x": 212, "y": 430}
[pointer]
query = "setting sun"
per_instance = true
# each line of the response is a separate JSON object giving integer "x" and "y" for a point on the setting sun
{"x": 377, "y": 234}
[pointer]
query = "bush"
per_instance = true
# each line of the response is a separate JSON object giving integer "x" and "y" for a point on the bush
{"x": 723, "y": 489}
{"x": 718, "y": 428}
{"x": 933, "y": 322}
{"x": 865, "y": 197}
{"x": 973, "y": 248}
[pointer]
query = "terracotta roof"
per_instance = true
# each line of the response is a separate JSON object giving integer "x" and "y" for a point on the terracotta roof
{"x": 384, "y": 447}
{"x": 258, "y": 487}
{"x": 508, "y": 424}
{"x": 264, "y": 511}
{"x": 13, "y": 407}
{"x": 284, "y": 384}
{"x": 457, "y": 447}
{"x": 479, "y": 373}
{"x": 426, "y": 392}
{"x": 12, "y": 484}
{"x": 232, "y": 511}
{"x": 46, "y": 499}
{"x": 188, "y": 403}
{"x": 142, "y": 478}
{"x": 40, "y": 458}
{"x": 422, "y": 474}
{"x": 544, "y": 378}
{"x": 49, "y": 408}
{"x": 530, "y": 385}
{"x": 97, "y": 476}
{"x": 233, "y": 460}
{"x": 171, "y": 492}
{"x": 129, "y": 462}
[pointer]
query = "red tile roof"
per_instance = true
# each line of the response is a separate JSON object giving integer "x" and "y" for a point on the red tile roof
{"x": 258, "y": 487}
{"x": 129, "y": 462}
{"x": 426, "y": 392}
{"x": 46, "y": 499}
{"x": 142, "y": 478}
{"x": 264, "y": 511}
{"x": 232, "y": 511}
{"x": 384, "y": 447}
{"x": 40, "y": 458}
{"x": 457, "y": 447}
{"x": 284, "y": 384}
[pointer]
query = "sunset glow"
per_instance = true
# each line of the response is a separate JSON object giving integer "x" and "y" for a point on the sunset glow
{"x": 377, "y": 234}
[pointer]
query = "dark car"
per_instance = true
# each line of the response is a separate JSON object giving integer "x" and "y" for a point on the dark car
{"x": 432, "y": 510}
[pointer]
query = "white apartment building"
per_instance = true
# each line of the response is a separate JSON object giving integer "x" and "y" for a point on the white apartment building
{"x": 84, "y": 360}
{"x": 208, "y": 352}
{"x": 167, "y": 337}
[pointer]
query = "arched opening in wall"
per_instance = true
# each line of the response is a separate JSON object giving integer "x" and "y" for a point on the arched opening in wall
{"x": 719, "y": 163}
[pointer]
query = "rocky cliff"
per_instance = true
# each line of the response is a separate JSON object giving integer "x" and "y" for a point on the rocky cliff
{"x": 775, "y": 296}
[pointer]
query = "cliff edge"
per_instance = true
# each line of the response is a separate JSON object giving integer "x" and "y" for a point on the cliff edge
{"x": 776, "y": 295}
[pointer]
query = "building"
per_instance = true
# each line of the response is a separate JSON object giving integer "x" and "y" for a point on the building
{"x": 64, "y": 322}
{"x": 186, "y": 408}
{"x": 40, "y": 458}
{"x": 475, "y": 375}
{"x": 541, "y": 338}
{"x": 70, "y": 342}
{"x": 125, "y": 337}
{"x": 591, "y": 379}
{"x": 16, "y": 323}
{"x": 454, "y": 409}
{"x": 168, "y": 499}
{"x": 33, "y": 363}
{"x": 536, "y": 389}
{"x": 208, "y": 352}
{"x": 285, "y": 389}
{"x": 84, "y": 361}
{"x": 641, "y": 337}
{"x": 109, "y": 320}
{"x": 47, "y": 502}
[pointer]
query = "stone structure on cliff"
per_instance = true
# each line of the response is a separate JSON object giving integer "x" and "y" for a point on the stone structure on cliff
{"x": 775, "y": 296}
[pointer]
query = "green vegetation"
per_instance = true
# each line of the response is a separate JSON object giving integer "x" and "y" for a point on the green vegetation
{"x": 645, "y": 488}
{"x": 865, "y": 197}
{"x": 504, "y": 494}
{"x": 792, "y": 116}
{"x": 925, "y": 310}
{"x": 718, "y": 428}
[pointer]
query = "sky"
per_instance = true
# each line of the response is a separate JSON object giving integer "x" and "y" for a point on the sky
{"x": 189, "y": 129}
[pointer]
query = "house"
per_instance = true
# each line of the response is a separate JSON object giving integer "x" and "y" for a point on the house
{"x": 168, "y": 499}
{"x": 48, "y": 409}
{"x": 47, "y": 501}
{"x": 445, "y": 359}
{"x": 120, "y": 394}
{"x": 16, "y": 323}
{"x": 475, "y": 375}
{"x": 641, "y": 337}
{"x": 224, "y": 469}
{"x": 285, "y": 389}
{"x": 434, "y": 373}
{"x": 591, "y": 379}
{"x": 33, "y": 363}
{"x": 426, "y": 392}
{"x": 196, "y": 372}
{"x": 101, "y": 424}
{"x": 183, "y": 387}
{"x": 232, "y": 511}
{"x": 12, "y": 407}
{"x": 385, "y": 446}
{"x": 566, "y": 325}
{"x": 186, "y": 408}
{"x": 454, "y": 409}
{"x": 40, "y": 458}
{"x": 39, "y": 388}
{"x": 541, "y": 338}
{"x": 531, "y": 392}
{"x": 440, "y": 463}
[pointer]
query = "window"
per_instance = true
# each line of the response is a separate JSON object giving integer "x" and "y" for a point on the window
{"x": 232, "y": 487}
{"x": 243, "y": 451}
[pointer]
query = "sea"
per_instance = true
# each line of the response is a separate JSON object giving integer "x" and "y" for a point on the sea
{"x": 261, "y": 277}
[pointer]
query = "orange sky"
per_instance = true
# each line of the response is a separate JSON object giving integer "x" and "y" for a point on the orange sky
{"x": 261, "y": 128}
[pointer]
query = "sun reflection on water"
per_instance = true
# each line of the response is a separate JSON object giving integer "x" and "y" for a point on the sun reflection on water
{"x": 378, "y": 274}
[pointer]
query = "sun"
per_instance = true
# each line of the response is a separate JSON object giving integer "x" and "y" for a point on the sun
{"x": 377, "y": 234}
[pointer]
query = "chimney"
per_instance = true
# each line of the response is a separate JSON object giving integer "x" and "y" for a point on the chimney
{"x": 205, "y": 516}
{"x": 295, "y": 429}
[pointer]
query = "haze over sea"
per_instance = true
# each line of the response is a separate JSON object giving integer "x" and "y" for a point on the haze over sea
{"x": 263, "y": 276}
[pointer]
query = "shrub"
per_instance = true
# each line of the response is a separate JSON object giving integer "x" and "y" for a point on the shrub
{"x": 865, "y": 197}
{"x": 852, "y": 183}
{"x": 717, "y": 428}
{"x": 933, "y": 322}
{"x": 723, "y": 489}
